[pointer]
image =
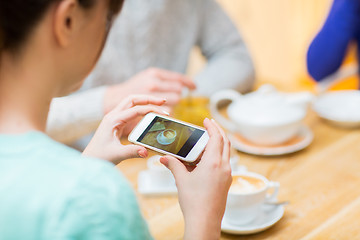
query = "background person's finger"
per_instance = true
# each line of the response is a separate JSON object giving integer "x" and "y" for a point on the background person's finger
{"x": 172, "y": 76}
{"x": 134, "y": 100}
{"x": 166, "y": 86}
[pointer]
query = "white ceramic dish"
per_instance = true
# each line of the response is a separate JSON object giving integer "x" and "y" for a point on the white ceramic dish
{"x": 299, "y": 142}
{"x": 268, "y": 217}
{"x": 154, "y": 164}
{"x": 245, "y": 201}
{"x": 161, "y": 139}
{"x": 265, "y": 117}
{"x": 341, "y": 108}
{"x": 146, "y": 185}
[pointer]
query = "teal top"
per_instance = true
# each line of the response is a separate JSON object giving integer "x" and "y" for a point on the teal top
{"x": 49, "y": 191}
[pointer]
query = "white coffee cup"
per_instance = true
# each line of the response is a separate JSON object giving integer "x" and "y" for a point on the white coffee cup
{"x": 161, "y": 176}
{"x": 264, "y": 117}
{"x": 247, "y": 194}
{"x": 166, "y": 137}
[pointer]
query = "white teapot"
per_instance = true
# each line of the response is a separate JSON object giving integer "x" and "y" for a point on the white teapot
{"x": 264, "y": 117}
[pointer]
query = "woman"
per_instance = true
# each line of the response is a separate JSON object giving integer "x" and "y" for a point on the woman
{"x": 49, "y": 191}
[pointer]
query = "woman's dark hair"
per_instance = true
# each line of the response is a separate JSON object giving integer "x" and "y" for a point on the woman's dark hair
{"x": 19, "y": 17}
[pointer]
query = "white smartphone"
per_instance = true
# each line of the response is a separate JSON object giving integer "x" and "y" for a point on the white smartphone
{"x": 170, "y": 136}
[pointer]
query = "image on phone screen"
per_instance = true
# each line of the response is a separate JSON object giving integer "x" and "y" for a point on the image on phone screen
{"x": 171, "y": 136}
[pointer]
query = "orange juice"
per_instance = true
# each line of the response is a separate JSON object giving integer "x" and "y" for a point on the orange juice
{"x": 193, "y": 109}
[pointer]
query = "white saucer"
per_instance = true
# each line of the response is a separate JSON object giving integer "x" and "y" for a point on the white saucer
{"x": 160, "y": 141}
{"x": 341, "y": 108}
{"x": 146, "y": 185}
{"x": 299, "y": 142}
{"x": 266, "y": 220}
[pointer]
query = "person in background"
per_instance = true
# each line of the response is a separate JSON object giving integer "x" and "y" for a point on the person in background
{"x": 328, "y": 50}
{"x": 147, "y": 53}
{"x": 49, "y": 191}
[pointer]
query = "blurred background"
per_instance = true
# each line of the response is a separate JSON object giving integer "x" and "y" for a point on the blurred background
{"x": 278, "y": 33}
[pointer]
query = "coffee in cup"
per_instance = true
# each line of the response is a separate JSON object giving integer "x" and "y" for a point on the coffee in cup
{"x": 169, "y": 134}
{"x": 246, "y": 184}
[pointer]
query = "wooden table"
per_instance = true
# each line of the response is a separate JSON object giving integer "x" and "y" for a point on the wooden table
{"x": 322, "y": 183}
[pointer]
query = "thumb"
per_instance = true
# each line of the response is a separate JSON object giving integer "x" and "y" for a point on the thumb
{"x": 177, "y": 168}
{"x": 133, "y": 151}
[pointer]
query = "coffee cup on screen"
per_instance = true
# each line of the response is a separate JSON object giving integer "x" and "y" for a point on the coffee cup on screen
{"x": 247, "y": 194}
{"x": 166, "y": 137}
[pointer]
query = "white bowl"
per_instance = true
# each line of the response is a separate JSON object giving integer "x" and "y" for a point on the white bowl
{"x": 272, "y": 128}
{"x": 270, "y": 135}
{"x": 341, "y": 108}
{"x": 264, "y": 117}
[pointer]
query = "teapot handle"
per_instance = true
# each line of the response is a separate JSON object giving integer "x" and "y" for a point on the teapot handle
{"x": 229, "y": 94}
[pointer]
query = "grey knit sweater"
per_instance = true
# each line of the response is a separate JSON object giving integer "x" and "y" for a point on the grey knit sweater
{"x": 157, "y": 33}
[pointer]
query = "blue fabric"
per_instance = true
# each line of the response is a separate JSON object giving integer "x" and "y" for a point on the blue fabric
{"x": 48, "y": 191}
{"x": 327, "y": 51}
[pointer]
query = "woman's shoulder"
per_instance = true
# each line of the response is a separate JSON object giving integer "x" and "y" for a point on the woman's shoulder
{"x": 60, "y": 164}
{"x": 69, "y": 162}
{"x": 97, "y": 196}
{"x": 74, "y": 196}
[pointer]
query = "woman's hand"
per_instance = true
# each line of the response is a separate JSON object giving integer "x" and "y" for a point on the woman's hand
{"x": 203, "y": 191}
{"x": 106, "y": 142}
{"x": 153, "y": 81}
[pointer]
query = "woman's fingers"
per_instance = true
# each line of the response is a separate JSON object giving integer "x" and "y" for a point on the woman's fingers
{"x": 117, "y": 154}
{"x": 171, "y": 98}
{"x": 214, "y": 148}
{"x": 121, "y": 118}
{"x": 133, "y": 151}
{"x": 227, "y": 151}
{"x": 146, "y": 100}
{"x": 227, "y": 144}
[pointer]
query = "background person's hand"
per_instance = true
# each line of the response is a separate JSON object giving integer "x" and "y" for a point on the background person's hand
{"x": 203, "y": 191}
{"x": 153, "y": 81}
{"x": 106, "y": 142}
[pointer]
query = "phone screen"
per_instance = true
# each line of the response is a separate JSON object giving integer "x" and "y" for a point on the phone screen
{"x": 171, "y": 136}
